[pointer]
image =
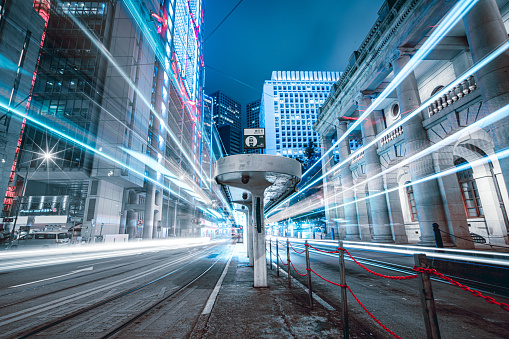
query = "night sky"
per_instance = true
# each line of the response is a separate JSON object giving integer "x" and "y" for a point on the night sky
{"x": 262, "y": 36}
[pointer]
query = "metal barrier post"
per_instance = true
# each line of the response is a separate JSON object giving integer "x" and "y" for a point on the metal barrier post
{"x": 342, "y": 281}
{"x": 277, "y": 257}
{"x": 427, "y": 300}
{"x": 288, "y": 261}
{"x": 270, "y": 252}
{"x": 438, "y": 236}
{"x": 308, "y": 265}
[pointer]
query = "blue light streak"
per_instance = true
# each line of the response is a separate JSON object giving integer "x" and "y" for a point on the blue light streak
{"x": 482, "y": 123}
{"x": 54, "y": 130}
{"x": 387, "y": 131}
{"x": 160, "y": 56}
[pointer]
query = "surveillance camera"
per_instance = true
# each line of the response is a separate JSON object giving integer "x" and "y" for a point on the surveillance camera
{"x": 245, "y": 179}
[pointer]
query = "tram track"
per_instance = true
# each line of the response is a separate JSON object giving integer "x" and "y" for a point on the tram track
{"x": 31, "y": 312}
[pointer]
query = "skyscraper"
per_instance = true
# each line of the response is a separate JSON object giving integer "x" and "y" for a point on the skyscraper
{"x": 228, "y": 112}
{"x": 253, "y": 119}
{"x": 113, "y": 138}
{"x": 289, "y": 107}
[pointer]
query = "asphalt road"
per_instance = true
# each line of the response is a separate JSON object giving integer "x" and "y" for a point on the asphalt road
{"x": 114, "y": 292}
{"x": 397, "y": 303}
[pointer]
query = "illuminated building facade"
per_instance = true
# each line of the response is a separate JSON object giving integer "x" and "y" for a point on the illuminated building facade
{"x": 227, "y": 111}
{"x": 22, "y": 26}
{"x": 122, "y": 82}
{"x": 460, "y": 186}
{"x": 289, "y": 108}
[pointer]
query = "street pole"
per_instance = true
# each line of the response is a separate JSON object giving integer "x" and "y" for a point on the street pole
{"x": 427, "y": 300}
{"x": 289, "y": 263}
{"x": 277, "y": 257}
{"x": 342, "y": 281}
{"x": 270, "y": 252}
{"x": 308, "y": 266}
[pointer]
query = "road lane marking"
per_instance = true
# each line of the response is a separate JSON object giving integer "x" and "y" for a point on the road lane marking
{"x": 58, "y": 276}
{"x": 16, "y": 316}
{"x": 97, "y": 263}
{"x": 213, "y": 296}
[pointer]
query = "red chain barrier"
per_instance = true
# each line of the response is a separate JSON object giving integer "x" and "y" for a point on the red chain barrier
{"x": 365, "y": 309}
{"x": 296, "y": 250}
{"x": 302, "y": 275}
{"x": 332, "y": 282}
{"x": 476, "y": 293}
{"x": 406, "y": 277}
{"x": 319, "y": 250}
{"x": 281, "y": 259}
{"x": 373, "y": 317}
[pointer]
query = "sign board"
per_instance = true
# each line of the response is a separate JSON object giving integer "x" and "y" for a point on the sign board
{"x": 140, "y": 222}
{"x": 254, "y": 138}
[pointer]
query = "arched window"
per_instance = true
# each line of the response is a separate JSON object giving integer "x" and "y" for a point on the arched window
{"x": 411, "y": 202}
{"x": 469, "y": 191}
{"x": 435, "y": 91}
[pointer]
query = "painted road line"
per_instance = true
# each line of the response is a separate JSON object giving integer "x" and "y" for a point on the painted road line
{"x": 213, "y": 296}
{"x": 58, "y": 276}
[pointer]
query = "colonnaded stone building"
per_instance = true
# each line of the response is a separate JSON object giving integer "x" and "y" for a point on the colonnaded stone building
{"x": 466, "y": 202}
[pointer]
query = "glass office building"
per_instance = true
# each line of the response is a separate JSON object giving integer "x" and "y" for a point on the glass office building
{"x": 289, "y": 108}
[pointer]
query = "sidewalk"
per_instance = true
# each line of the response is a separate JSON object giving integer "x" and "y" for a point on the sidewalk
{"x": 275, "y": 312}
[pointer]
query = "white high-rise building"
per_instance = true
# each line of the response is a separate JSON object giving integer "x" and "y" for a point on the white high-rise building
{"x": 289, "y": 108}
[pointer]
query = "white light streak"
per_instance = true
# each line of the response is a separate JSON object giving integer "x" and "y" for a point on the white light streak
{"x": 449, "y": 21}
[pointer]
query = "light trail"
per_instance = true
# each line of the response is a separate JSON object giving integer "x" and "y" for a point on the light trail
{"x": 111, "y": 59}
{"x": 89, "y": 148}
{"x": 482, "y": 123}
{"x": 446, "y": 89}
{"x": 476, "y": 256}
{"x": 449, "y": 21}
{"x": 452, "y": 170}
{"x": 22, "y": 259}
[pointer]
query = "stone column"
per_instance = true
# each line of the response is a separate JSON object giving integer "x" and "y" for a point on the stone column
{"x": 378, "y": 204}
{"x": 158, "y": 208}
{"x": 490, "y": 204}
{"x": 427, "y": 194}
{"x": 148, "y": 222}
{"x": 362, "y": 210}
{"x": 338, "y": 197}
{"x": 453, "y": 202}
{"x": 131, "y": 220}
{"x": 351, "y": 220}
{"x": 395, "y": 210}
{"x": 485, "y": 32}
{"x": 328, "y": 187}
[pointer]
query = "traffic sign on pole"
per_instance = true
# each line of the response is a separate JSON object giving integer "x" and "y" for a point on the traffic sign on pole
{"x": 254, "y": 138}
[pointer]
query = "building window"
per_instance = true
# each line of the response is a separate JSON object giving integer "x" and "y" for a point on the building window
{"x": 469, "y": 192}
{"x": 411, "y": 202}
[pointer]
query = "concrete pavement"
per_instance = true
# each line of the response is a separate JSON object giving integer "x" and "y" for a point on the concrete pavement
{"x": 274, "y": 312}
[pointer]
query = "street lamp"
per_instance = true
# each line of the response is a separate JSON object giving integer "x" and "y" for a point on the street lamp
{"x": 47, "y": 157}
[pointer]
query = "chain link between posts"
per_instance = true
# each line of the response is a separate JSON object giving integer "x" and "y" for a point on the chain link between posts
{"x": 405, "y": 277}
{"x": 475, "y": 293}
{"x": 302, "y": 275}
{"x": 363, "y": 307}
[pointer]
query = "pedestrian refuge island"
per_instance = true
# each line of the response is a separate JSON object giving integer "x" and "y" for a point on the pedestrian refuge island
{"x": 268, "y": 179}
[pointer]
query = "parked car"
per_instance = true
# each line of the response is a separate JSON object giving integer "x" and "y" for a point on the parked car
{"x": 41, "y": 239}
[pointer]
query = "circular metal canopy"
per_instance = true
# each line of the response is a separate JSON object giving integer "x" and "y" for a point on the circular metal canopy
{"x": 276, "y": 175}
